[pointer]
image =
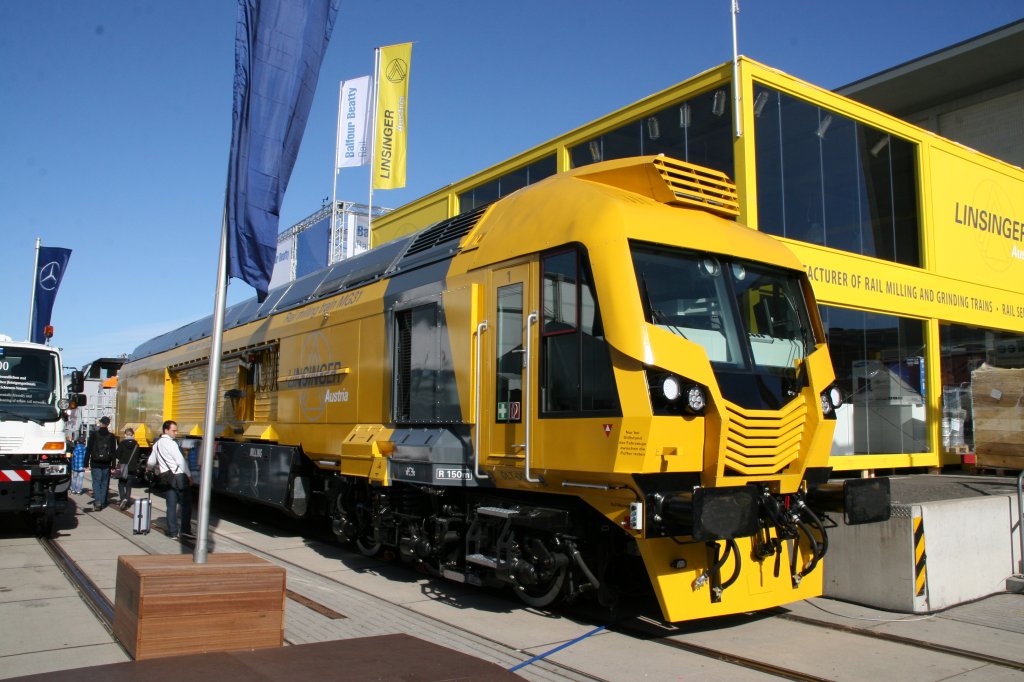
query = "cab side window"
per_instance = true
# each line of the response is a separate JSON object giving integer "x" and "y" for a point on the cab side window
{"x": 576, "y": 368}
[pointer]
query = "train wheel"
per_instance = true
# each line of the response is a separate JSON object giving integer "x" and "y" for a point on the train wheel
{"x": 549, "y": 570}
{"x": 367, "y": 547}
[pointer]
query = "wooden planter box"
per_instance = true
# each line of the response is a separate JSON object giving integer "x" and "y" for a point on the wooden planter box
{"x": 167, "y": 605}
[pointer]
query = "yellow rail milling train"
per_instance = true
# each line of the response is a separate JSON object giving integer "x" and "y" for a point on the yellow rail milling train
{"x": 600, "y": 383}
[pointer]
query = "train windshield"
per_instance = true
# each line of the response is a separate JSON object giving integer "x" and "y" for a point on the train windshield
{"x": 744, "y": 315}
{"x": 28, "y": 384}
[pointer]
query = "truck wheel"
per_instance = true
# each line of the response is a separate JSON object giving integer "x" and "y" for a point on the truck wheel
{"x": 42, "y": 525}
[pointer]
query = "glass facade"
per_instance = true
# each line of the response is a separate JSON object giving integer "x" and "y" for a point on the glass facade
{"x": 881, "y": 365}
{"x": 506, "y": 184}
{"x": 826, "y": 179}
{"x": 697, "y": 130}
{"x": 970, "y": 354}
{"x": 850, "y": 191}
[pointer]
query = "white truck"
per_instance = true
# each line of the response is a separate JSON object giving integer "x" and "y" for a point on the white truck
{"x": 35, "y": 468}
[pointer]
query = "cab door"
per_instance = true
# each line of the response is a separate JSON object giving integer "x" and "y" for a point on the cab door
{"x": 508, "y": 404}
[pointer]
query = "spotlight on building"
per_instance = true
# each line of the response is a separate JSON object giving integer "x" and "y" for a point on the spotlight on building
{"x": 653, "y": 128}
{"x": 880, "y": 145}
{"x": 718, "y": 103}
{"x": 760, "y": 102}
{"x": 684, "y": 115}
{"x": 823, "y": 126}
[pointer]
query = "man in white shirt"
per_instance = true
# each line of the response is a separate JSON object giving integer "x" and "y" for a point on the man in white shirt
{"x": 166, "y": 456}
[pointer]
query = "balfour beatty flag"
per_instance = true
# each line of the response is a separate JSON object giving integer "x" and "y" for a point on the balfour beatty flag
{"x": 392, "y": 116}
{"x": 353, "y": 102}
{"x": 279, "y": 47}
{"x": 51, "y": 262}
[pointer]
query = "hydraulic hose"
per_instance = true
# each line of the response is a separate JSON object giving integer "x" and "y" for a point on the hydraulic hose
{"x": 736, "y": 571}
{"x": 578, "y": 558}
{"x": 815, "y": 555}
{"x": 816, "y": 522}
{"x": 717, "y": 566}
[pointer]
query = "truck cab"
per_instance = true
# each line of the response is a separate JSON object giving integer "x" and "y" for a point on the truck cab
{"x": 35, "y": 470}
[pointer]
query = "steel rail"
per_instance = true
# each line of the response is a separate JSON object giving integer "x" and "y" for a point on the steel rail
{"x": 909, "y": 641}
{"x": 90, "y": 593}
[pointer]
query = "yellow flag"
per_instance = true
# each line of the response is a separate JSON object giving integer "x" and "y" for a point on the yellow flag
{"x": 392, "y": 116}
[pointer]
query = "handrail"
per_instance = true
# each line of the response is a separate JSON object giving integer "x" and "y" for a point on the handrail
{"x": 531, "y": 320}
{"x": 480, "y": 329}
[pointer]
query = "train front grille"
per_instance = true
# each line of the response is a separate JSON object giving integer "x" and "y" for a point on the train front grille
{"x": 763, "y": 442}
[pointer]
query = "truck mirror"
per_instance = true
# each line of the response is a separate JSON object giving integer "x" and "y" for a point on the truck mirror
{"x": 77, "y": 383}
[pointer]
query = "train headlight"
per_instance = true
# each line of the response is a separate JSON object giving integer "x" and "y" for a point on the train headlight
{"x": 832, "y": 399}
{"x": 673, "y": 394}
{"x": 696, "y": 401}
{"x": 671, "y": 388}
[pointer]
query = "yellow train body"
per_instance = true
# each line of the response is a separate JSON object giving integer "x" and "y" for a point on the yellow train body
{"x": 495, "y": 396}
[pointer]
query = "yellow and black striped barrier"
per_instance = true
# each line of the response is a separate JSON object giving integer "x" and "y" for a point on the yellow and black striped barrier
{"x": 920, "y": 558}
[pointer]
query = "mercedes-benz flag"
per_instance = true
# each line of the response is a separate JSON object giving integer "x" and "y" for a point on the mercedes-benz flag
{"x": 51, "y": 262}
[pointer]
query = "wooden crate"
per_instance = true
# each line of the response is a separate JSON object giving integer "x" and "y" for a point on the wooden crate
{"x": 998, "y": 402}
{"x": 167, "y": 605}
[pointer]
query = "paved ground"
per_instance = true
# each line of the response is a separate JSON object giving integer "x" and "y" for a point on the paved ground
{"x": 46, "y": 626}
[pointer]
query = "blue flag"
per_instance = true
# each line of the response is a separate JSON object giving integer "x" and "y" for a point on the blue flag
{"x": 279, "y": 47}
{"x": 51, "y": 262}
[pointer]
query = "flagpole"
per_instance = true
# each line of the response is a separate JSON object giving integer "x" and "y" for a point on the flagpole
{"x": 212, "y": 389}
{"x": 334, "y": 172}
{"x": 737, "y": 113}
{"x": 373, "y": 142}
{"x": 32, "y": 300}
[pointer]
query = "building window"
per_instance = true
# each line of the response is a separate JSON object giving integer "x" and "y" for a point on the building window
{"x": 576, "y": 368}
{"x": 982, "y": 398}
{"x": 825, "y": 179}
{"x": 879, "y": 361}
{"x": 506, "y": 184}
{"x": 697, "y": 130}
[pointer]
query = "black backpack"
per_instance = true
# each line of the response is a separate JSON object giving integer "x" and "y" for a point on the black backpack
{"x": 104, "y": 452}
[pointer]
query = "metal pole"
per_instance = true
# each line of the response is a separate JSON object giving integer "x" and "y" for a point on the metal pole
{"x": 373, "y": 143}
{"x": 736, "y": 70}
{"x": 1020, "y": 519}
{"x": 334, "y": 173}
{"x": 32, "y": 300}
{"x": 212, "y": 389}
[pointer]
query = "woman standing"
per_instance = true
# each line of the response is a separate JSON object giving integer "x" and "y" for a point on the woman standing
{"x": 127, "y": 451}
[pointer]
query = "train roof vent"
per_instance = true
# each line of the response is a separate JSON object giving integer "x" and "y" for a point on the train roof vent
{"x": 452, "y": 229}
{"x": 669, "y": 181}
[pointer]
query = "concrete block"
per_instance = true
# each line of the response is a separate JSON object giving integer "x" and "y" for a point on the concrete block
{"x": 965, "y": 547}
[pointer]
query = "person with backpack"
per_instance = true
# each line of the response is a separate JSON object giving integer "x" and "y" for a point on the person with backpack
{"x": 99, "y": 455}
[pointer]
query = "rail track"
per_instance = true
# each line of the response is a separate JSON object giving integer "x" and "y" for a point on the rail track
{"x": 639, "y": 628}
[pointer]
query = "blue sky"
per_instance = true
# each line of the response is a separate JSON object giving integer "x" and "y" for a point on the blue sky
{"x": 115, "y": 117}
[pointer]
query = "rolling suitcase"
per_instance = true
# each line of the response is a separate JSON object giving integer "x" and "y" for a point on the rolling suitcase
{"x": 141, "y": 511}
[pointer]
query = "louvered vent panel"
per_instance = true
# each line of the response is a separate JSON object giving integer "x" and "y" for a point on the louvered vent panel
{"x": 449, "y": 230}
{"x": 403, "y": 364}
{"x": 762, "y": 442}
{"x": 700, "y": 187}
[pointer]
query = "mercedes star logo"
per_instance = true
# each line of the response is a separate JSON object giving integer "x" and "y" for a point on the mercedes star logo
{"x": 49, "y": 275}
